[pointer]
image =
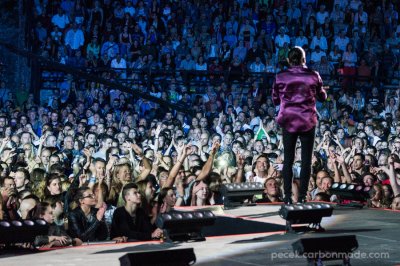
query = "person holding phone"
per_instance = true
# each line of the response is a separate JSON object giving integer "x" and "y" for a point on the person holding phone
{"x": 296, "y": 90}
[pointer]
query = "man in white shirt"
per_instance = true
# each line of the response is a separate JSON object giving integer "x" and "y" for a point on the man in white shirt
{"x": 110, "y": 47}
{"x": 281, "y": 38}
{"x": 319, "y": 40}
{"x": 301, "y": 40}
{"x": 372, "y": 138}
{"x": 321, "y": 15}
{"x": 120, "y": 64}
{"x": 336, "y": 14}
{"x": 341, "y": 3}
{"x": 360, "y": 17}
{"x": 293, "y": 12}
{"x": 261, "y": 169}
{"x": 317, "y": 54}
{"x": 74, "y": 39}
{"x": 257, "y": 66}
{"x": 342, "y": 40}
{"x": 106, "y": 143}
{"x": 60, "y": 19}
{"x": 187, "y": 63}
{"x": 232, "y": 24}
{"x": 129, "y": 9}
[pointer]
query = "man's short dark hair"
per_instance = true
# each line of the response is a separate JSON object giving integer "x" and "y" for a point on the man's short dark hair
{"x": 97, "y": 160}
{"x": 126, "y": 189}
{"x": 296, "y": 56}
{"x": 105, "y": 137}
{"x": 322, "y": 196}
{"x": 90, "y": 133}
{"x": 362, "y": 156}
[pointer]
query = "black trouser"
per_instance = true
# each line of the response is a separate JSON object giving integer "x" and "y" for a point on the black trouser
{"x": 289, "y": 148}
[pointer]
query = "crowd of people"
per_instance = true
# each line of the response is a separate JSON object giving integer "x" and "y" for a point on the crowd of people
{"x": 353, "y": 37}
{"x": 98, "y": 164}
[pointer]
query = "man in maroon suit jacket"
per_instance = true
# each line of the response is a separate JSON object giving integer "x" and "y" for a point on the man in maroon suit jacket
{"x": 296, "y": 90}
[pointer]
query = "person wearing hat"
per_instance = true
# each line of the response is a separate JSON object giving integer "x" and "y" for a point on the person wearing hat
{"x": 296, "y": 90}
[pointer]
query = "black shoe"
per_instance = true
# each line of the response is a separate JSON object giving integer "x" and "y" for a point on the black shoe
{"x": 288, "y": 200}
{"x": 301, "y": 200}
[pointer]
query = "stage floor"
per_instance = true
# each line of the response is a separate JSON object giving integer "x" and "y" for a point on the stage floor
{"x": 250, "y": 235}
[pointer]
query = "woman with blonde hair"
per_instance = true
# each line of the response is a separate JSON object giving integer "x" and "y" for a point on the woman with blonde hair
{"x": 121, "y": 176}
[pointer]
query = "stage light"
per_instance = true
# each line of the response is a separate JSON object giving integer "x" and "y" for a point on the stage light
{"x": 236, "y": 194}
{"x": 318, "y": 249}
{"x": 184, "y": 226}
{"x": 23, "y": 231}
{"x": 169, "y": 257}
{"x": 350, "y": 191}
{"x": 308, "y": 213}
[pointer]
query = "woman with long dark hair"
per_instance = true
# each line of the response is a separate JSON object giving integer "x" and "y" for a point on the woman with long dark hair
{"x": 56, "y": 237}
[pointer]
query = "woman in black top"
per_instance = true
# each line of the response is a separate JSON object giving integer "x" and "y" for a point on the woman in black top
{"x": 56, "y": 237}
{"x": 86, "y": 222}
{"x": 130, "y": 222}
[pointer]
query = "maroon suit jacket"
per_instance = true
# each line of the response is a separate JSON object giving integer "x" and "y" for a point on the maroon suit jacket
{"x": 296, "y": 90}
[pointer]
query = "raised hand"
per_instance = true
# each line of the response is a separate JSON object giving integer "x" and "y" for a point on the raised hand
{"x": 82, "y": 179}
{"x": 180, "y": 149}
{"x": 158, "y": 131}
{"x": 127, "y": 144}
{"x": 339, "y": 159}
{"x": 101, "y": 211}
{"x": 187, "y": 150}
{"x": 101, "y": 178}
{"x": 42, "y": 138}
{"x": 158, "y": 157}
{"x": 391, "y": 159}
{"x": 137, "y": 149}
{"x": 5, "y": 141}
{"x": 215, "y": 147}
{"x": 239, "y": 160}
{"x": 111, "y": 163}
{"x": 88, "y": 153}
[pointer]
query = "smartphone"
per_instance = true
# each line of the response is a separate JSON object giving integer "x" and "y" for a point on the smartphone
{"x": 278, "y": 166}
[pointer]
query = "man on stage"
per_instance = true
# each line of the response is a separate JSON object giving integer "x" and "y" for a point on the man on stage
{"x": 296, "y": 90}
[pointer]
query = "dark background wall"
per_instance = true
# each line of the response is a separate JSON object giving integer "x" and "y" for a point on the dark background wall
{"x": 14, "y": 69}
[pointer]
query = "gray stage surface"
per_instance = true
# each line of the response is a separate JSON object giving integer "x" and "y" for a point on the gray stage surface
{"x": 250, "y": 235}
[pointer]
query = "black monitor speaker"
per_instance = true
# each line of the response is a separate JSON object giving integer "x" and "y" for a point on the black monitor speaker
{"x": 350, "y": 191}
{"x": 318, "y": 249}
{"x": 170, "y": 257}
{"x": 22, "y": 231}
{"x": 238, "y": 194}
{"x": 184, "y": 226}
{"x": 307, "y": 213}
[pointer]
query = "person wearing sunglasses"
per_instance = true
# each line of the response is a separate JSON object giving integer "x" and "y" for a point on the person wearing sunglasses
{"x": 86, "y": 223}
